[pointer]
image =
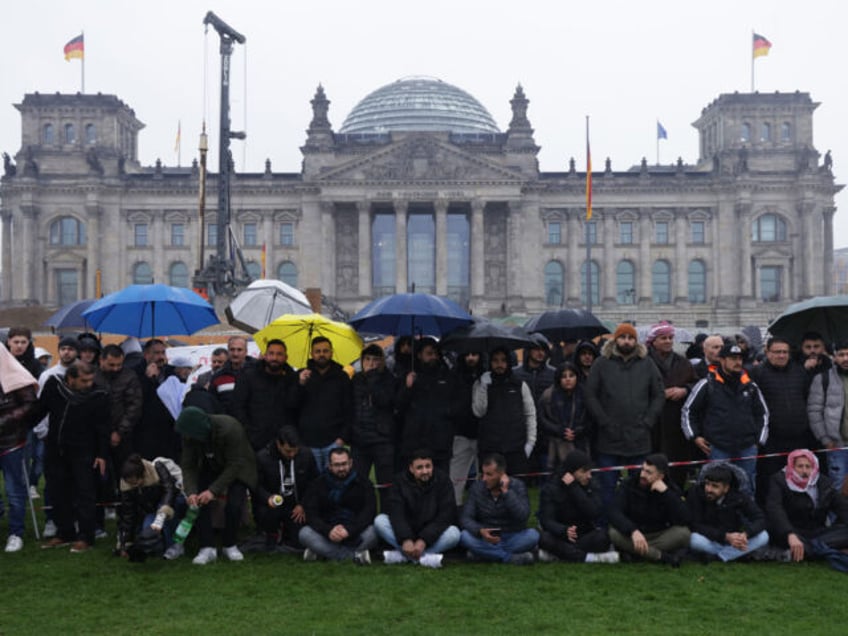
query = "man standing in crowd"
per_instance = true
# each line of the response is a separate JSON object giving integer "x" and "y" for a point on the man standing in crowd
{"x": 649, "y": 518}
{"x": 469, "y": 368}
{"x": 624, "y": 395}
{"x": 826, "y": 408}
{"x": 217, "y": 462}
{"x": 124, "y": 391}
{"x": 427, "y": 404}
{"x": 813, "y": 353}
{"x": 223, "y": 381}
{"x": 217, "y": 361}
{"x": 340, "y": 507}
{"x": 494, "y": 518}
{"x": 507, "y": 413}
{"x": 712, "y": 347}
{"x": 372, "y": 441}
{"x": 536, "y": 372}
{"x": 77, "y": 442}
{"x": 726, "y": 523}
{"x": 569, "y": 510}
{"x": 800, "y": 500}
{"x": 421, "y": 515}
{"x": 286, "y": 470}
{"x": 260, "y": 399}
{"x": 726, "y": 415}
{"x": 323, "y": 397}
{"x": 154, "y": 434}
{"x": 784, "y": 384}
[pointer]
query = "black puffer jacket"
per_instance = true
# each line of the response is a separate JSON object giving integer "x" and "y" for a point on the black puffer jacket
{"x": 354, "y": 509}
{"x": 324, "y": 405}
{"x": 79, "y": 421}
{"x": 268, "y": 465}
{"x": 736, "y": 512}
{"x": 374, "y": 395}
{"x": 421, "y": 511}
{"x": 646, "y": 510}
{"x": 562, "y": 506}
{"x": 427, "y": 411}
{"x": 785, "y": 391}
{"x": 260, "y": 402}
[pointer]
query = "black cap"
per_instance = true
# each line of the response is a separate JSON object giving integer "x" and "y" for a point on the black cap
{"x": 730, "y": 349}
{"x": 70, "y": 341}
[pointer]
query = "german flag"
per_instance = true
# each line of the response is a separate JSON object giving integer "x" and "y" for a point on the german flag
{"x": 761, "y": 45}
{"x": 75, "y": 48}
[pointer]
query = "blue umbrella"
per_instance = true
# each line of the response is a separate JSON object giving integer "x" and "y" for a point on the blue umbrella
{"x": 145, "y": 311}
{"x": 410, "y": 315}
{"x": 70, "y": 316}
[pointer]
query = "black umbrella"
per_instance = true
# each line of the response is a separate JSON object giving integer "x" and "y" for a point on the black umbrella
{"x": 566, "y": 324}
{"x": 828, "y": 315}
{"x": 483, "y": 336}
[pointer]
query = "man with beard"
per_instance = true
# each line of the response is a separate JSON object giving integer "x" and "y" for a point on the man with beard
{"x": 826, "y": 407}
{"x": 421, "y": 515}
{"x": 507, "y": 414}
{"x": 678, "y": 378}
{"x": 77, "y": 442}
{"x": 427, "y": 404}
{"x": 154, "y": 434}
{"x": 649, "y": 518}
{"x": 323, "y": 397}
{"x": 260, "y": 399}
{"x": 125, "y": 398}
{"x": 624, "y": 396}
{"x": 726, "y": 523}
{"x": 340, "y": 507}
{"x": 569, "y": 509}
{"x": 726, "y": 415}
{"x": 813, "y": 353}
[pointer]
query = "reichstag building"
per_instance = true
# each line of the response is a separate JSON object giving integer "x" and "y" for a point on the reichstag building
{"x": 419, "y": 188}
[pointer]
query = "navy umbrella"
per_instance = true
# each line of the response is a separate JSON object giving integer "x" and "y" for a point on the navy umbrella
{"x": 70, "y": 316}
{"x": 410, "y": 315}
{"x": 566, "y": 324}
{"x": 145, "y": 311}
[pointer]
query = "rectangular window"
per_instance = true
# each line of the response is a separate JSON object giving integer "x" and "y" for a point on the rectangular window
{"x": 625, "y": 233}
{"x": 177, "y": 234}
{"x": 212, "y": 234}
{"x": 140, "y": 235}
{"x": 383, "y": 254}
{"x": 699, "y": 235}
{"x": 661, "y": 232}
{"x": 770, "y": 284}
{"x": 554, "y": 233}
{"x": 66, "y": 286}
{"x": 250, "y": 238}
{"x": 592, "y": 232}
{"x": 287, "y": 234}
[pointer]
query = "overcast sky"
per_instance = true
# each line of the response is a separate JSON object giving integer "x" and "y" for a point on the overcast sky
{"x": 624, "y": 63}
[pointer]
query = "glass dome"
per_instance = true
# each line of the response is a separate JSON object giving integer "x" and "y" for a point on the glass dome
{"x": 419, "y": 104}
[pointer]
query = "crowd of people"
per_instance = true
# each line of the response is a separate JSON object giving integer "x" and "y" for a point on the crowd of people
{"x": 638, "y": 451}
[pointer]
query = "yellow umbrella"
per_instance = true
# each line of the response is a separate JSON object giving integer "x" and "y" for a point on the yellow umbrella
{"x": 297, "y": 331}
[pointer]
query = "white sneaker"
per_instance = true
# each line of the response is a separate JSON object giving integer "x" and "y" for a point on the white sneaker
{"x": 362, "y": 557}
{"x": 233, "y": 553}
{"x": 546, "y": 557}
{"x": 110, "y": 514}
{"x": 175, "y": 551}
{"x": 431, "y": 560}
{"x": 14, "y": 544}
{"x": 205, "y": 555}
{"x": 393, "y": 557}
{"x": 50, "y": 529}
{"x": 309, "y": 555}
{"x": 33, "y": 493}
{"x": 602, "y": 557}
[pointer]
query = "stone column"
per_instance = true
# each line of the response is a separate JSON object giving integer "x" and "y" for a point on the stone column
{"x": 827, "y": 253}
{"x": 328, "y": 239}
{"x": 94, "y": 214}
{"x": 575, "y": 236}
{"x": 478, "y": 276}
{"x": 7, "y": 256}
{"x": 157, "y": 238}
{"x": 365, "y": 279}
{"x": 607, "y": 260}
{"x": 440, "y": 208}
{"x": 401, "y": 208}
{"x": 681, "y": 276}
{"x": 270, "y": 241}
{"x": 743, "y": 218}
{"x": 28, "y": 242}
{"x": 645, "y": 288}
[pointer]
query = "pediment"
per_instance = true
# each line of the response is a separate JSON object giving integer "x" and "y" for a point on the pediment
{"x": 421, "y": 159}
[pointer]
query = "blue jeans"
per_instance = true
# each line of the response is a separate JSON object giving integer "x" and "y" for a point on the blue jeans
{"x": 748, "y": 465}
{"x": 34, "y": 458}
{"x": 322, "y": 546}
{"x": 510, "y": 543}
{"x": 322, "y": 456}
{"x": 448, "y": 540}
{"x": 725, "y": 551}
{"x": 170, "y": 525}
{"x": 12, "y": 465}
{"x": 837, "y": 467}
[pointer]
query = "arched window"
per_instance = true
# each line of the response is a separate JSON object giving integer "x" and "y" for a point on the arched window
{"x": 67, "y": 231}
{"x": 785, "y": 132}
{"x": 47, "y": 135}
{"x": 768, "y": 228}
{"x": 70, "y": 134}
{"x": 661, "y": 282}
{"x": 287, "y": 272}
{"x": 254, "y": 270}
{"x": 697, "y": 282}
{"x": 625, "y": 283}
{"x": 765, "y": 132}
{"x": 745, "y": 132}
{"x": 178, "y": 274}
{"x": 142, "y": 274}
{"x": 554, "y": 282}
{"x": 90, "y": 134}
{"x": 596, "y": 283}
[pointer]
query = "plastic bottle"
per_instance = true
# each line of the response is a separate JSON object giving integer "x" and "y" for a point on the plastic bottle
{"x": 186, "y": 524}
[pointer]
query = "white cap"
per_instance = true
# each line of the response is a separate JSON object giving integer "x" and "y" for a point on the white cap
{"x": 41, "y": 351}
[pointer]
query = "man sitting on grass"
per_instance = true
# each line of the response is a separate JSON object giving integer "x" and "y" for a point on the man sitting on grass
{"x": 648, "y": 517}
{"x": 494, "y": 518}
{"x": 726, "y": 523}
{"x": 421, "y": 514}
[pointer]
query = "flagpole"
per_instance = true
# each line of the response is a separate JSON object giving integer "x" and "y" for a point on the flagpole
{"x": 588, "y": 219}
{"x": 752, "y": 60}
{"x": 658, "y": 142}
{"x": 82, "y": 66}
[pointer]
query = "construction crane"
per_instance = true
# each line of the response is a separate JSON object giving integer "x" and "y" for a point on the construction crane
{"x": 219, "y": 274}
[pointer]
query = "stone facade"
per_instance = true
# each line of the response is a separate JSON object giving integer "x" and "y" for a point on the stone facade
{"x": 729, "y": 240}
